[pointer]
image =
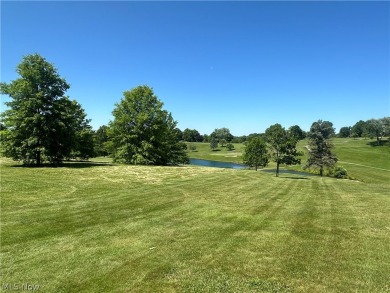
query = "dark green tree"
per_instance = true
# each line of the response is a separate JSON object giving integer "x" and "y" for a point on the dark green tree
{"x": 297, "y": 132}
{"x": 222, "y": 133}
{"x": 358, "y": 129}
{"x": 41, "y": 123}
{"x": 256, "y": 154}
{"x": 192, "y": 135}
{"x": 100, "y": 140}
{"x": 230, "y": 146}
{"x": 376, "y": 128}
{"x": 282, "y": 146}
{"x": 320, "y": 147}
{"x": 345, "y": 131}
{"x": 213, "y": 143}
{"x": 144, "y": 133}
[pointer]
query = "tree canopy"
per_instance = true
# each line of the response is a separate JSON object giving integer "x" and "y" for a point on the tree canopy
{"x": 320, "y": 147}
{"x": 41, "y": 123}
{"x": 144, "y": 133}
{"x": 282, "y": 145}
{"x": 256, "y": 154}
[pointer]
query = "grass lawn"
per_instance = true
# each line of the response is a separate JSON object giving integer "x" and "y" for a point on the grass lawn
{"x": 99, "y": 227}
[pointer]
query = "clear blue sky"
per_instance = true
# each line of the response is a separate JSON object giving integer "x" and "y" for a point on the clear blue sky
{"x": 241, "y": 65}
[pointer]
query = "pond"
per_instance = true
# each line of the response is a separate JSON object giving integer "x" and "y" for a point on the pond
{"x": 216, "y": 164}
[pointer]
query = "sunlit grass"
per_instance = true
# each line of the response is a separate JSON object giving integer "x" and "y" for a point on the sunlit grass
{"x": 98, "y": 227}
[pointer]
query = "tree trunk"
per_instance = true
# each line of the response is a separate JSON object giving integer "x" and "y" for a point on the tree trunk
{"x": 256, "y": 167}
{"x": 38, "y": 158}
{"x": 321, "y": 171}
{"x": 277, "y": 169}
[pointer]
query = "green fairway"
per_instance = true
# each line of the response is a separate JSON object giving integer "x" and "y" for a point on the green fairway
{"x": 100, "y": 227}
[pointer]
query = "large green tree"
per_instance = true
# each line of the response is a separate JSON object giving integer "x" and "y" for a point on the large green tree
{"x": 41, "y": 123}
{"x": 143, "y": 133}
{"x": 192, "y": 135}
{"x": 320, "y": 147}
{"x": 256, "y": 154}
{"x": 376, "y": 128}
{"x": 101, "y": 141}
{"x": 222, "y": 135}
{"x": 282, "y": 146}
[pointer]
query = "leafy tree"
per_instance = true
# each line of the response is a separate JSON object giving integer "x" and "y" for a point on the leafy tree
{"x": 179, "y": 134}
{"x": 192, "y": 147}
{"x": 230, "y": 146}
{"x": 358, "y": 129}
{"x": 222, "y": 133}
{"x": 101, "y": 139}
{"x": 375, "y": 128}
{"x": 84, "y": 146}
{"x": 297, "y": 132}
{"x": 192, "y": 135}
{"x": 345, "y": 131}
{"x": 213, "y": 143}
{"x": 41, "y": 123}
{"x": 320, "y": 147}
{"x": 282, "y": 145}
{"x": 255, "y": 154}
{"x": 144, "y": 133}
{"x": 386, "y": 126}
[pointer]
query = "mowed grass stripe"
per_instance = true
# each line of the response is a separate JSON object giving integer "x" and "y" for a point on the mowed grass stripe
{"x": 192, "y": 229}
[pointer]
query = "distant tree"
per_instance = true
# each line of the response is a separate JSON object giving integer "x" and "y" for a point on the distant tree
{"x": 255, "y": 154}
{"x": 386, "y": 126}
{"x": 230, "y": 146}
{"x": 282, "y": 146}
{"x": 222, "y": 133}
{"x": 84, "y": 145}
{"x": 222, "y": 141}
{"x": 345, "y": 132}
{"x": 297, "y": 132}
{"x": 41, "y": 123}
{"x": 213, "y": 143}
{"x": 206, "y": 138}
{"x": 192, "y": 135}
{"x": 239, "y": 139}
{"x": 100, "y": 140}
{"x": 376, "y": 128}
{"x": 144, "y": 133}
{"x": 358, "y": 129}
{"x": 192, "y": 147}
{"x": 320, "y": 147}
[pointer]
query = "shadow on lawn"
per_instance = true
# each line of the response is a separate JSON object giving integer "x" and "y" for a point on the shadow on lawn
{"x": 67, "y": 164}
{"x": 382, "y": 143}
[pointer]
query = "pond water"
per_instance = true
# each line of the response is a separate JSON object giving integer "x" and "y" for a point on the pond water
{"x": 216, "y": 164}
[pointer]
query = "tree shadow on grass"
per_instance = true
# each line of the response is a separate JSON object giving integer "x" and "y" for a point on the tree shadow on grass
{"x": 295, "y": 178}
{"x": 72, "y": 165}
{"x": 383, "y": 143}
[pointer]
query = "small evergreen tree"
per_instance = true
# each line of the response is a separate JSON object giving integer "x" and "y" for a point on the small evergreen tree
{"x": 320, "y": 147}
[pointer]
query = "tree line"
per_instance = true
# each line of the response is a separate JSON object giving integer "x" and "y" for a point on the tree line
{"x": 372, "y": 128}
{"x": 42, "y": 124}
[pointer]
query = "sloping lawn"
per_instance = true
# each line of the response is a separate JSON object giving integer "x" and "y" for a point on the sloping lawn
{"x": 114, "y": 228}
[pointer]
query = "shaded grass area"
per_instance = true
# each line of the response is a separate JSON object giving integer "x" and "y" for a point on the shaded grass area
{"x": 191, "y": 229}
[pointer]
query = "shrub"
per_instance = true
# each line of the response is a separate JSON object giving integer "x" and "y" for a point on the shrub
{"x": 339, "y": 172}
{"x": 230, "y": 146}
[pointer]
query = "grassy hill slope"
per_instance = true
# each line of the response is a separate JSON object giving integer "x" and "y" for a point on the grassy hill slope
{"x": 96, "y": 227}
